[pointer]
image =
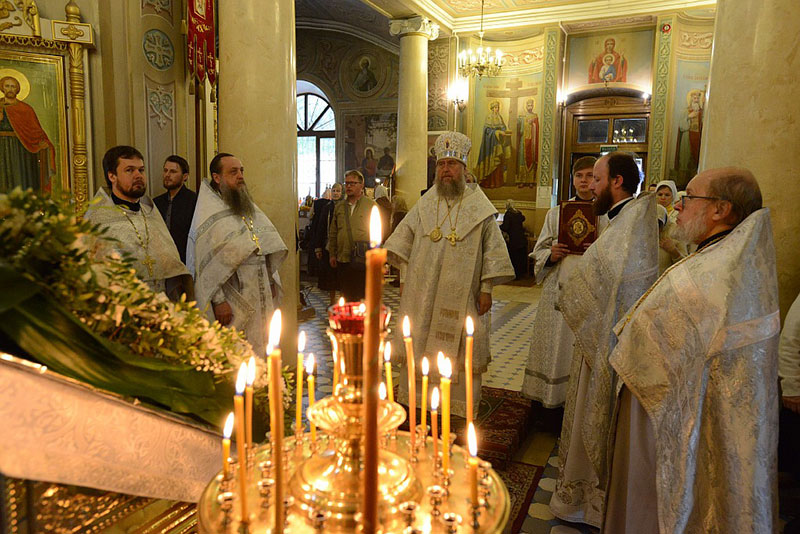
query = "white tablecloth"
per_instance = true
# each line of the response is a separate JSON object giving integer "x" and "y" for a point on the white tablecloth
{"x": 56, "y": 429}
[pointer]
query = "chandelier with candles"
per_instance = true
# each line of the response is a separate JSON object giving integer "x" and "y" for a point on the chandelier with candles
{"x": 353, "y": 470}
{"x": 481, "y": 62}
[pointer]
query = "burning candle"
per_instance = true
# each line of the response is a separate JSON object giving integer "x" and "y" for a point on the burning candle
{"x": 226, "y": 444}
{"x": 335, "y": 352}
{"x": 387, "y": 363}
{"x": 248, "y": 401}
{"x": 376, "y": 258}
{"x": 341, "y": 301}
{"x": 424, "y": 404}
{"x": 238, "y": 408}
{"x": 435, "y": 422}
{"x": 412, "y": 383}
{"x": 298, "y": 410}
{"x": 468, "y": 367}
{"x": 472, "y": 445}
{"x": 276, "y": 416}
{"x": 311, "y": 394}
{"x": 445, "y": 370}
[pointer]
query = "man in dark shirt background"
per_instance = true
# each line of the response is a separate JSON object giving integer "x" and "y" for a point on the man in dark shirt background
{"x": 177, "y": 204}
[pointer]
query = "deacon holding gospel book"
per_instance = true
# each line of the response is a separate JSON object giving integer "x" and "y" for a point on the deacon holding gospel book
{"x": 547, "y": 371}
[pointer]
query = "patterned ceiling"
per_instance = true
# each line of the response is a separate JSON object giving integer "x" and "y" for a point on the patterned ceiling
{"x": 348, "y": 16}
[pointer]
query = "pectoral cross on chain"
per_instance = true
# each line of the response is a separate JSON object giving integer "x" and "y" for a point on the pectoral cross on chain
{"x": 452, "y": 237}
{"x": 254, "y": 237}
{"x": 149, "y": 262}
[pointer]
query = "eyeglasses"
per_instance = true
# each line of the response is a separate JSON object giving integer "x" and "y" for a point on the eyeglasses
{"x": 352, "y": 183}
{"x": 682, "y": 200}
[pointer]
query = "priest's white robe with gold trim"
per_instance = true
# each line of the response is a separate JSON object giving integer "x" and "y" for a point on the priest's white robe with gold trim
{"x": 153, "y": 241}
{"x": 698, "y": 355}
{"x": 442, "y": 283}
{"x": 229, "y": 265}
{"x": 615, "y": 271}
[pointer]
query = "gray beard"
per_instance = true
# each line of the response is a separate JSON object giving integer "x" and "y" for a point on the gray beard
{"x": 450, "y": 191}
{"x": 691, "y": 231}
{"x": 238, "y": 200}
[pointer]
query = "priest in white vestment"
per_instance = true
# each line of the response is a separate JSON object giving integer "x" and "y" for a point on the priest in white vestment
{"x": 550, "y": 356}
{"x": 614, "y": 272}
{"x": 695, "y": 441}
{"x": 133, "y": 226}
{"x": 450, "y": 253}
{"x": 234, "y": 253}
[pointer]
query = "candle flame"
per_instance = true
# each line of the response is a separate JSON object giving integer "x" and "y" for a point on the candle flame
{"x": 382, "y": 391}
{"x": 228, "y": 430}
{"x": 472, "y": 441}
{"x": 341, "y": 301}
{"x": 387, "y": 351}
{"x": 445, "y": 366}
{"x": 301, "y": 341}
{"x": 374, "y": 227}
{"x": 241, "y": 378}
{"x": 310, "y": 364}
{"x": 425, "y": 366}
{"x": 251, "y": 370}
{"x": 435, "y": 399}
{"x": 362, "y": 309}
{"x": 406, "y": 327}
{"x": 439, "y": 361}
{"x": 470, "y": 326}
{"x": 275, "y": 329}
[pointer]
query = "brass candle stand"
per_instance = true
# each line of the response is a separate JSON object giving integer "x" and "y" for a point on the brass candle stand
{"x": 324, "y": 492}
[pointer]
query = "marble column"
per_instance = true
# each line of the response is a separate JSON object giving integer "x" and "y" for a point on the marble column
{"x": 753, "y": 114}
{"x": 412, "y": 105}
{"x": 257, "y": 123}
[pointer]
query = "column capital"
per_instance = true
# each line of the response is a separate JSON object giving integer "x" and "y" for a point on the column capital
{"x": 414, "y": 26}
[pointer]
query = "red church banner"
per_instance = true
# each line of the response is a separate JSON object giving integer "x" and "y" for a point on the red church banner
{"x": 201, "y": 49}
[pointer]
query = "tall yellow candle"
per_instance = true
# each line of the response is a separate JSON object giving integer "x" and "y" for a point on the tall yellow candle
{"x": 435, "y": 422}
{"x": 387, "y": 365}
{"x": 376, "y": 258}
{"x": 311, "y": 394}
{"x": 238, "y": 408}
{"x": 276, "y": 417}
{"x": 226, "y": 444}
{"x": 445, "y": 371}
{"x": 472, "y": 445}
{"x": 412, "y": 383}
{"x": 298, "y": 410}
{"x": 468, "y": 368}
{"x": 248, "y": 402}
{"x": 424, "y": 404}
{"x": 335, "y": 353}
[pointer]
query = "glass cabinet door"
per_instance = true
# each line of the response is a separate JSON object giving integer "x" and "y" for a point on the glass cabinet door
{"x": 630, "y": 131}
{"x": 593, "y": 131}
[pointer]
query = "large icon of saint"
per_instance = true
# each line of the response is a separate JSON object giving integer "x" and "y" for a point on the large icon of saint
{"x": 527, "y": 145}
{"x": 609, "y": 65}
{"x": 495, "y": 151}
{"x": 365, "y": 79}
{"x": 690, "y": 129}
{"x": 27, "y": 156}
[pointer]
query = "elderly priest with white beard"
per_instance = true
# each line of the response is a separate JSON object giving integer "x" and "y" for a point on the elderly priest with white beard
{"x": 450, "y": 253}
{"x": 234, "y": 253}
{"x": 132, "y": 224}
{"x": 695, "y": 443}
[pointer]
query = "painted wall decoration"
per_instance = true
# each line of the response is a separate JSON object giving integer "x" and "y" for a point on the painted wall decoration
{"x": 506, "y": 135}
{"x": 371, "y": 145}
{"x": 33, "y": 124}
{"x": 620, "y": 57}
{"x": 686, "y": 122}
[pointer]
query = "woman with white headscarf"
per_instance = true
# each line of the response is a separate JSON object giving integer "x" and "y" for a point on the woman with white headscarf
{"x": 670, "y": 250}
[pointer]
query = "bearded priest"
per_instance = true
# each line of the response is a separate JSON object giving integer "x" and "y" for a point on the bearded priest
{"x": 234, "y": 253}
{"x": 450, "y": 254}
{"x": 614, "y": 272}
{"x": 695, "y": 443}
{"x": 133, "y": 226}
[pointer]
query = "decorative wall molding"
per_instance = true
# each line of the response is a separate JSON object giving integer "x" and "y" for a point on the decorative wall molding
{"x": 593, "y": 25}
{"x": 549, "y": 105}
{"x": 659, "y": 102}
{"x": 161, "y": 105}
{"x": 696, "y": 40}
{"x": 158, "y": 49}
{"x": 162, "y": 130}
{"x": 347, "y": 29}
{"x": 438, "y": 81}
{"x": 414, "y": 26}
{"x": 519, "y": 204}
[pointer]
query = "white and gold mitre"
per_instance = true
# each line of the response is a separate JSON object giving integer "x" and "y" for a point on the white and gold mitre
{"x": 452, "y": 145}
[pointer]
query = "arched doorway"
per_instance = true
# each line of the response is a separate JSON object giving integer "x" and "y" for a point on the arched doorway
{"x": 316, "y": 141}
